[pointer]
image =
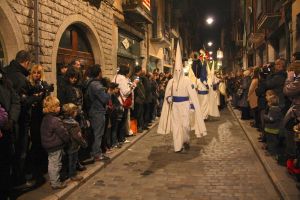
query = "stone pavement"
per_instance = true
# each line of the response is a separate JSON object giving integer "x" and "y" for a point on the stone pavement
{"x": 223, "y": 165}
{"x": 284, "y": 183}
{"x": 45, "y": 192}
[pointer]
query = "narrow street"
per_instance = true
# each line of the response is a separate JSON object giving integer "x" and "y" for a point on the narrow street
{"x": 221, "y": 166}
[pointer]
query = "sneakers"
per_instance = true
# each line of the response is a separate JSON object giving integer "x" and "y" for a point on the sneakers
{"x": 80, "y": 167}
{"x": 59, "y": 186}
{"x": 101, "y": 158}
{"x": 126, "y": 141}
{"x": 76, "y": 178}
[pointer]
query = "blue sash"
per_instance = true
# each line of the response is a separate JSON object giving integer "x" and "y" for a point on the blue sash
{"x": 177, "y": 99}
{"x": 202, "y": 92}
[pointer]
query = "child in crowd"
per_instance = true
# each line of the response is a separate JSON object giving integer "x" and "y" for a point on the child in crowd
{"x": 115, "y": 110}
{"x": 54, "y": 136}
{"x": 272, "y": 122}
{"x": 70, "y": 111}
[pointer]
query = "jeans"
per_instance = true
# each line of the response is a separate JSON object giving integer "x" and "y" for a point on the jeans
{"x": 98, "y": 126}
{"x": 73, "y": 159}
{"x": 54, "y": 166}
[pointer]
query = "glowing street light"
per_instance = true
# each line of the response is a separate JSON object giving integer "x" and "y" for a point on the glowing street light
{"x": 209, "y": 44}
{"x": 210, "y": 53}
{"x": 220, "y": 54}
{"x": 209, "y": 20}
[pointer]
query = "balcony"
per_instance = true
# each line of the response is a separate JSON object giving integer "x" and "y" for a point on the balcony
{"x": 161, "y": 35}
{"x": 138, "y": 10}
{"x": 174, "y": 33}
{"x": 268, "y": 20}
{"x": 256, "y": 38}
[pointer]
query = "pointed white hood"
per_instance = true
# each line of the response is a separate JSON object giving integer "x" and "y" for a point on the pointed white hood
{"x": 178, "y": 68}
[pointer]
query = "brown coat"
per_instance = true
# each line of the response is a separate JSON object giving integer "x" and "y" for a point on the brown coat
{"x": 252, "y": 98}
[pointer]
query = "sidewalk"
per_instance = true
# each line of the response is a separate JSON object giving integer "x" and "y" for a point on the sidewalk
{"x": 283, "y": 182}
{"x": 46, "y": 193}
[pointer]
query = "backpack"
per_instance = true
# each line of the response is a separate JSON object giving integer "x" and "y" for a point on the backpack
{"x": 87, "y": 102}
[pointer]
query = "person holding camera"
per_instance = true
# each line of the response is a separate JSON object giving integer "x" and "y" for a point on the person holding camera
{"x": 17, "y": 72}
{"x": 40, "y": 89}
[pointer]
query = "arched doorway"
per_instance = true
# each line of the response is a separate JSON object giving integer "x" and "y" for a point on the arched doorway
{"x": 11, "y": 38}
{"x": 74, "y": 44}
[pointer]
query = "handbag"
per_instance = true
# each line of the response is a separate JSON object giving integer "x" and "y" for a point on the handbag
{"x": 127, "y": 102}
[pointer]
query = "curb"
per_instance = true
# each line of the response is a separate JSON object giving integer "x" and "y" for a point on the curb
{"x": 62, "y": 194}
{"x": 275, "y": 181}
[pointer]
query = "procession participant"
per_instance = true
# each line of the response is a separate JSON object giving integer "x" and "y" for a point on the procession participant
{"x": 175, "y": 113}
{"x": 213, "y": 96}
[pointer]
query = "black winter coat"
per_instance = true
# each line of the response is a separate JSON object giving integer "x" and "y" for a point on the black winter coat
{"x": 276, "y": 82}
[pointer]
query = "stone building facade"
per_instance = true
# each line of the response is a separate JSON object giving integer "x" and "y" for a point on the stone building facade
{"x": 95, "y": 22}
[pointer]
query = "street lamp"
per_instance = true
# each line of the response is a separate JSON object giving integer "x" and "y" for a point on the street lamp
{"x": 209, "y": 44}
{"x": 209, "y": 20}
{"x": 210, "y": 53}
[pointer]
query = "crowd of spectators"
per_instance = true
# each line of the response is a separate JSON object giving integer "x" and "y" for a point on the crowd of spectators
{"x": 269, "y": 95}
{"x": 88, "y": 119}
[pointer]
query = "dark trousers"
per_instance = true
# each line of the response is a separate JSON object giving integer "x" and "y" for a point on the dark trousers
{"x": 272, "y": 143}
{"x": 21, "y": 163}
{"x": 256, "y": 117}
{"x": 114, "y": 132}
{"x": 139, "y": 114}
{"x": 123, "y": 127}
{"x": 5, "y": 166}
{"x": 146, "y": 114}
{"x": 73, "y": 159}
{"x": 245, "y": 113}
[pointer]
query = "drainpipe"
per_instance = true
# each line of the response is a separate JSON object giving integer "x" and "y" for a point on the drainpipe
{"x": 148, "y": 44}
{"x": 36, "y": 32}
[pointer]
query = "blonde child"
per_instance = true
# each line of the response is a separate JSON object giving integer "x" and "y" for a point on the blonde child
{"x": 54, "y": 136}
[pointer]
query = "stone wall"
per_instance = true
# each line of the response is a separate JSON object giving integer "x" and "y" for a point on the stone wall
{"x": 57, "y": 14}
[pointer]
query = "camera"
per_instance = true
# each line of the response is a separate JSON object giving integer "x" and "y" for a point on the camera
{"x": 42, "y": 87}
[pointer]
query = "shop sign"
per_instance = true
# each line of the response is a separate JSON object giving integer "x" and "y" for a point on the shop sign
{"x": 125, "y": 43}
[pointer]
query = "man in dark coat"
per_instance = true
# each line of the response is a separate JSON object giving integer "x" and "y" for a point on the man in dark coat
{"x": 10, "y": 104}
{"x": 16, "y": 72}
{"x": 139, "y": 100}
{"x": 276, "y": 81}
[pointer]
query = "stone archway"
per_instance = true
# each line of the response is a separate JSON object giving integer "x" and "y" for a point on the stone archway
{"x": 10, "y": 33}
{"x": 90, "y": 32}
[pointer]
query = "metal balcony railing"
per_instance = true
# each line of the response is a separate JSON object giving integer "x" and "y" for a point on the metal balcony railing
{"x": 270, "y": 15}
{"x": 139, "y": 10}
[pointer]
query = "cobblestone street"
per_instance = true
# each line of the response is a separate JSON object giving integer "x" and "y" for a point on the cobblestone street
{"x": 221, "y": 166}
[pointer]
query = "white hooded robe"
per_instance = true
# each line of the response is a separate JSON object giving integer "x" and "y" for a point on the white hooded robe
{"x": 175, "y": 116}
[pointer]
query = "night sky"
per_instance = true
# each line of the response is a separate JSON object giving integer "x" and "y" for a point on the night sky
{"x": 196, "y": 12}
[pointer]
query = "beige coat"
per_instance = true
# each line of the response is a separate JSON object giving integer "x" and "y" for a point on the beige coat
{"x": 252, "y": 98}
